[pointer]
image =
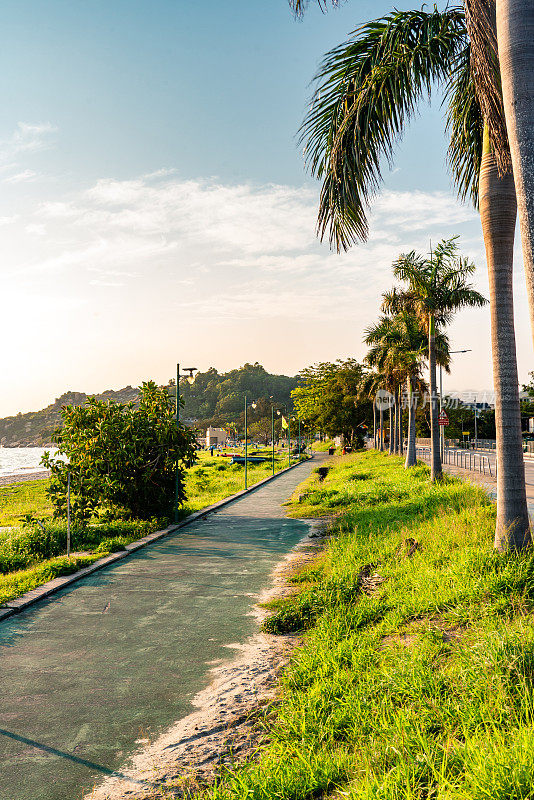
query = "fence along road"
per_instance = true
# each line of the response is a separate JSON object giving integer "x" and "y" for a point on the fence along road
{"x": 119, "y": 655}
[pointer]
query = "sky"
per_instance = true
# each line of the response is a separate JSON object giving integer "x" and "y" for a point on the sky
{"x": 155, "y": 207}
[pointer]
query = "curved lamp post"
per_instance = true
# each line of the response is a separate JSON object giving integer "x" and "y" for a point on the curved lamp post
{"x": 190, "y": 379}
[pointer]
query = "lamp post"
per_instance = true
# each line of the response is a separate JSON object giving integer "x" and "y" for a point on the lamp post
{"x": 288, "y": 420}
{"x": 295, "y": 419}
{"x": 190, "y": 379}
{"x": 476, "y": 431}
{"x": 442, "y": 427}
{"x": 253, "y": 405}
{"x": 272, "y": 432}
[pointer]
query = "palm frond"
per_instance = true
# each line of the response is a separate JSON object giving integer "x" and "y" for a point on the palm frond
{"x": 298, "y": 7}
{"x": 481, "y": 25}
{"x": 366, "y": 92}
{"x": 465, "y": 124}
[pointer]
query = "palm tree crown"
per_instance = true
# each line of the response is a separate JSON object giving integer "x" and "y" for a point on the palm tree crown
{"x": 367, "y": 90}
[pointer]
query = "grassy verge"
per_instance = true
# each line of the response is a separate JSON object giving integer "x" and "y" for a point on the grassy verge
{"x": 415, "y": 679}
{"x": 322, "y": 447}
{"x": 29, "y": 557}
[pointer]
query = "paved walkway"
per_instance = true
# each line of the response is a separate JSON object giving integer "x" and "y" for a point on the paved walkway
{"x": 118, "y": 656}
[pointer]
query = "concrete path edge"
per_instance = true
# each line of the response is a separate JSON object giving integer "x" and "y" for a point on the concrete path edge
{"x": 50, "y": 587}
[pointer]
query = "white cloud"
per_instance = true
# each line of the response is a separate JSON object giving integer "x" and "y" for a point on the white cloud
{"x": 36, "y": 229}
{"x": 22, "y": 177}
{"x": 410, "y": 211}
{"x": 27, "y": 138}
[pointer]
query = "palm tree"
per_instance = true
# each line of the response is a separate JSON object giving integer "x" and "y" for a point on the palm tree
{"x": 515, "y": 40}
{"x": 399, "y": 343}
{"x": 502, "y": 40}
{"x": 360, "y": 108}
{"x": 371, "y": 384}
{"x": 436, "y": 287}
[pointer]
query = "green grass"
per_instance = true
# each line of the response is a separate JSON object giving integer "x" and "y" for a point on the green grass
{"x": 322, "y": 447}
{"x": 28, "y": 557}
{"x": 17, "y": 583}
{"x": 415, "y": 679}
{"x": 18, "y": 499}
{"x": 213, "y": 479}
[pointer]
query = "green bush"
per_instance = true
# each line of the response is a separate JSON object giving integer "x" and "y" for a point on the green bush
{"x": 126, "y": 460}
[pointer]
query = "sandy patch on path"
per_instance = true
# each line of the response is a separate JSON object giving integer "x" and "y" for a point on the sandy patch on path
{"x": 224, "y": 729}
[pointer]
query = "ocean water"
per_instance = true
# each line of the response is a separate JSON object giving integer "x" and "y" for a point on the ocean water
{"x": 20, "y": 460}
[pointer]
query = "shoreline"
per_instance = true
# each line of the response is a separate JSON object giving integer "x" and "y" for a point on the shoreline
{"x": 40, "y": 475}
{"x": 223, "y": 729}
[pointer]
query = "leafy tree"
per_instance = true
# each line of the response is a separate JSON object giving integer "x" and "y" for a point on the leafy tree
{"x": 217, "y": 399}
{"x": 123, "y": 459}
{"x": 330, "y": 399}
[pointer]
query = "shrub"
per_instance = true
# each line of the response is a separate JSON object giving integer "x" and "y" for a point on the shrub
{"x": 121, "y": 458}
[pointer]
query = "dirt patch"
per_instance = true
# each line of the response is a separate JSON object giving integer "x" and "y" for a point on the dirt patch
{"x": 404, "y": 639}
{"x": 228, "y": 726}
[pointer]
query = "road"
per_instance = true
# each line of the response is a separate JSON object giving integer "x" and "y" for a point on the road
{"x": 119, "y": 656}
{"x": 490, "y": 482}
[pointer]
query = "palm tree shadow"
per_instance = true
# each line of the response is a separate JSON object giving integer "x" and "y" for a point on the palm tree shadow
{"x": 75, "y": 759}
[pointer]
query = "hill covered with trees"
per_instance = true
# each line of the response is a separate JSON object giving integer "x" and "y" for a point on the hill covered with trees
{"x": 214, "y": 399}
{"x": 35, "y": 428}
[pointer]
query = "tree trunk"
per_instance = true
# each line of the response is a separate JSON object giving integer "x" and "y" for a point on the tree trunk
{"x": 381, "y": 429}
{"x": 435, "y": 468}
{"x": 401, "y": 437}
{"x": 395, "y": 421}
{"x": 411, "y": 459}
{"x": 391, "y": 430}
{"x": 515, "y": 40}
{"x": 374, "y": 423}
{"x": 498, "y": 215}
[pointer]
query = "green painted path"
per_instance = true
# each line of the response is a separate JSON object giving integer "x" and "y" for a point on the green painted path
{"x": 119, "y": 655}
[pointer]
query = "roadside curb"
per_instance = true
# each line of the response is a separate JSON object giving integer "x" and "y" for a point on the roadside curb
{"x": 51, "y": 587}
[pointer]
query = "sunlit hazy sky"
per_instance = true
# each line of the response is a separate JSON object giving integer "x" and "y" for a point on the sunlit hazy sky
{"x": 154, "y": 205}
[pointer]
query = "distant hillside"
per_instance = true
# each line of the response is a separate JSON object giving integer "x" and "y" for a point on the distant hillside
{"x": 35, "y": 428}
{"x": 217, "y": 398}
{"x": 214, "y": 399}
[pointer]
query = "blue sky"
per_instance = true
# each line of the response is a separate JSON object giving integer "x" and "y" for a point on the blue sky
{"x": 154, "y": 204}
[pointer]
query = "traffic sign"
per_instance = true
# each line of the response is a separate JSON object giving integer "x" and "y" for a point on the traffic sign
{"x": 443, "y": 418}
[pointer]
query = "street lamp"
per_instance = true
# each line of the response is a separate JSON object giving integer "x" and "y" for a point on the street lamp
{"x": 190, "y": 379}
{"x": 253, "y": 405}
{"x": 271, "y": 398}
{"x": 288, "y": 429}
{"x": 294, "y": 420}
{"x": 442, "y": 427}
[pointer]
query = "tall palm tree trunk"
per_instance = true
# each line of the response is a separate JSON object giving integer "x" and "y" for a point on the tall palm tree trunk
{"x": 395, "y": 424}
{"x": 498, "y": 216}
{"x": 381, "y": 429}
{"x": 410, "y": 452}
{"x": 515, "y": 40}
{"x": 401, "y": 437}
{"x": 436, "y": 472}
{"x": 391, "y": 430}
{"x": 374, "y": 422}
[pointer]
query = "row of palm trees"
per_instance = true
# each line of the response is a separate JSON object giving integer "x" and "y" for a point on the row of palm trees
{"x": 410, "y": 333}
{"x": 367, "y": 90}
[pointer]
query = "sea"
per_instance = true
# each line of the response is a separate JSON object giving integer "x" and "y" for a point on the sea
{"x": 21, "y": 460}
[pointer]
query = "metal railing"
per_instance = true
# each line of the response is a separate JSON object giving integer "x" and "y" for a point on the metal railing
{"x": 465, "y": 459}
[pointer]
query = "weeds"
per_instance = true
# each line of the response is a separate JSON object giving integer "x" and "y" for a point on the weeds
{"x": 422, "y": 684}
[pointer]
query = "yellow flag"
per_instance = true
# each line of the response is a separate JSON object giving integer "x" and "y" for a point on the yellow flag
{"x": 284, "y": 423}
